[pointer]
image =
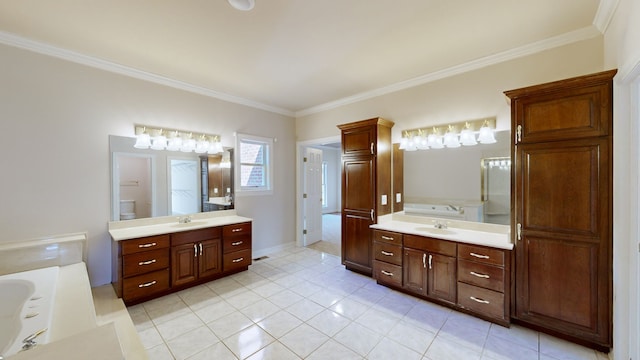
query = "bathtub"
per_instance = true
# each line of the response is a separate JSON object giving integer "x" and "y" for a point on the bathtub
{"x": 27, "y": 301}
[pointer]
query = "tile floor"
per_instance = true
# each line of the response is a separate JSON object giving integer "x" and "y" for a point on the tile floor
{"x": 302, "y": 304}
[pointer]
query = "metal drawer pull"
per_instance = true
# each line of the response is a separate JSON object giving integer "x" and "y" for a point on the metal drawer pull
{"x": 478, "y": 300}
{"x": 479, "y": 275}
{"x": 386, "y": 273}
{"x": 195, "y": 250}
{"x": 147, "y": 245}
{"x": 387, "y": 237}
{"x": 430, "y": 260}
{"x": 386, "y": 253}
{"x": 479, "y": 256}
{"x": 236, "y": 230}
{"x": 146, "y": 262}
{"x": 200, "y": 249}
{"x": 237, "y": 260}
{"x": 147, "y": 284}
{"x": 237, "y": 243}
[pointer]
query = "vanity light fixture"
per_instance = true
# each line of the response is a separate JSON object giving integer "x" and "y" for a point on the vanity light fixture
{"x": 242, "y": 5}
{"x": 148, "y": 137}
{"x": 419, "y": 139}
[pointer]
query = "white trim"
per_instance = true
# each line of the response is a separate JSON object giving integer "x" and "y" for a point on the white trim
{"x": 538, "y": 46}
{"x": 46, "y": 49}
{"x": 605, "y": 12}
{"x": 271, "y": 250}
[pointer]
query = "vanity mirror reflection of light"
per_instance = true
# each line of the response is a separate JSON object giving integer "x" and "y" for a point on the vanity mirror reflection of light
{"x": 446, "y": 182}
{"x": 152, "y": 183}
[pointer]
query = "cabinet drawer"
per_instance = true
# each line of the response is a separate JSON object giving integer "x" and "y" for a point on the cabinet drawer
{"x": 388, "y": 253}
{"x": 486, "y": 276}
{"x": 236, "y": 243}
{"x": 145, "y": 285}
{"x": 186, "y": 237}
{"x": 236, "y": 259}
{"x": 145, "y": 244}
{"x": 443, "y": 247}
{"x": 236, "y": 229}
{"x": 143, "y": 262}
{"x": 481, "y": 254}
{"x": 482, "y": 301}
{"x": 387, "y": 236}
{"x": 387, "y": 273}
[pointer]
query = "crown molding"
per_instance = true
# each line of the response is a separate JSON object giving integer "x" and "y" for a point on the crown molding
{"x": 46, "y": 49}
{"x": 532, "y": 48}
{"x": 606, "y": 10}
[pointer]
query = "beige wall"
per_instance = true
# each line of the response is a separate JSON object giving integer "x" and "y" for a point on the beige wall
{"x": 55, "y": 120}
{"x": 622, "y": 51}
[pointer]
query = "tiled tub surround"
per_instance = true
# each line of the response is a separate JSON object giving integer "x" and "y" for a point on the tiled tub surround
{"x": 302, "y": 304}
{"x": 73, "y": 308}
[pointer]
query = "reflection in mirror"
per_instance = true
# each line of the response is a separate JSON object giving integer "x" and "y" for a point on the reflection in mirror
{"x": 496, "y": 185}
{"x": 446, "y": 182}
{"x": 149, "y": 183}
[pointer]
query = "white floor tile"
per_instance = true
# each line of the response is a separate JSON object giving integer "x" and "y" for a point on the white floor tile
{"x": 218, "y": 352}
{"x": 358, "y": 338}
{"x": 349, "y": 308}
{"x": 229, "y": 324}
{"x": 332, "y": 350}
{"x": 305, "y": 309}
{"x": 280, "y": 323}
{"x": 564, "y": 350}
{"x": 248, "y": 341}
{"x": 260, "y": 310}
{"x": 413, "y": 337}
{"x": 446, "y": 349}
{"x": 179, "y": 326}
{"x": 303, "y": 340}
{"x": 192, "y": 342}
{"x": 274, "y": 351}
{"x": 389, "y": 349}
{"x": 329, "y": 322}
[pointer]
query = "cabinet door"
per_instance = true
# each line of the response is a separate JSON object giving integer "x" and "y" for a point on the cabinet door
{"x": 184, "y": 263}
{"x": 441, "y": 281}
{"x": 359, "y": 141}
{"x": 357, "y": 244}
{"x": 209, "y": 258}
{"x": 414, "y": 271}
{"x": 358, "y": 184}
{"x": 563, "y": 259}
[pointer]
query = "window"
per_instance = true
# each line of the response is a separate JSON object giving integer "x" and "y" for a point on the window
{"x": 254, "y": 170}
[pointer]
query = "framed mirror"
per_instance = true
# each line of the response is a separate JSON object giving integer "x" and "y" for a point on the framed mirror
{"x": 150, "y": 183}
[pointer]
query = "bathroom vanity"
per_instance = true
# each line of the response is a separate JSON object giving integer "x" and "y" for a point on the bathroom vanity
{"x": 459, "y": 264}
{"x": 159, "y": 256}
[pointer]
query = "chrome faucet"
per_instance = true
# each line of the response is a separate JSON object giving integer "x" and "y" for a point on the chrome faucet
{"x": 30, "y": 341}
{"x": 184, "y": 220}
{"x": 440, "y": 225}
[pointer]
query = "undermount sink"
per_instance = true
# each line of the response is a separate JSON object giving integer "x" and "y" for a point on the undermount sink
{"x": 189, "y": 224}
{"x": 434, "y": 230}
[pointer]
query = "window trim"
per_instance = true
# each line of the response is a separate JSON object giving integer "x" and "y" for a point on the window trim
{"x": 267, "y": 189}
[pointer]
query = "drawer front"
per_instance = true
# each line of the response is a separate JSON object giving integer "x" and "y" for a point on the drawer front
{"x": 387, "y": 236}
{"x": 145, "y": 285}
{"x": 486, "y": 276}
{"x": 236, "y": 229}
{"x": 481, "y": 254}
{"x": 193, "y": 236}
{"x": 387, "y": 273}
{"x": 144, "y": 244}
{"x": 236, "y": 243}
{"x": 388, "y": 253}
{"x": 144, "y": 262}
{"x": 237, "y": 259}
{"x": 482, "y": 301}
{"x": 443, "y": 247}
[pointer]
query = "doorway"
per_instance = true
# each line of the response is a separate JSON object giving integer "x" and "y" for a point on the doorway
{"x": 328, "y": 178}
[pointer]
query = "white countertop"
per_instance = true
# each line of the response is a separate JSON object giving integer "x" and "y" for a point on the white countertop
{"x": 131, "y": 229}
{"x": 497, "y": 236}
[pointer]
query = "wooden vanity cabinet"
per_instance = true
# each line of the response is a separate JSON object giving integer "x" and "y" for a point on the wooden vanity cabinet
{"x": 195, "y": 255}
{"x": 429, "y": 268}
{"x": 237, "y": 246}
{"x": 141, "y": 267}
{"x": 387, "y": 263}
{"x": 366, "y": 188}
{"x": 483, "y": 282}
{"x": 562, "y": 187}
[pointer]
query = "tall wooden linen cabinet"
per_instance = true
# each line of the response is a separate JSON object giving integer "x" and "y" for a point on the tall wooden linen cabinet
{"x": 562, "y": 207}
{"x": 366, "y": 187}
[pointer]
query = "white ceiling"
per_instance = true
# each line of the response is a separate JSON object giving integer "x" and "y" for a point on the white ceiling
{"x": 293, "y": 56}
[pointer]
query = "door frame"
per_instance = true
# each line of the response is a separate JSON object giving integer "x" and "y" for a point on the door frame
{"x": 300, "y": 151}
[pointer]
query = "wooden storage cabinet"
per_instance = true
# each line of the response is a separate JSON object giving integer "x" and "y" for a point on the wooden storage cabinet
{"x": 237, "y": 246}
{"x": 141, "y": 267}
{"x": 153, "y": 266}
{"x": 562, "y": 200}
{"x": 366, "y": 188}
{"x": 429, "y": 267}
{"x": 483, "y": 282}
{"x": 387, "y": 264}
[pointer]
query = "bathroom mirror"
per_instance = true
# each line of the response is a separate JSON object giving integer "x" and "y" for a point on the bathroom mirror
{"x": 437, "y": 178}
{"x": 150, "y": 183}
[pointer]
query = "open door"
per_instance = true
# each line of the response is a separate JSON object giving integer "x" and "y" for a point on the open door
{"x": 312, "y": 201}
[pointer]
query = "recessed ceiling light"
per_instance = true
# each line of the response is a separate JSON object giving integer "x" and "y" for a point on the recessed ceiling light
{"x": 244, "y": 5}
